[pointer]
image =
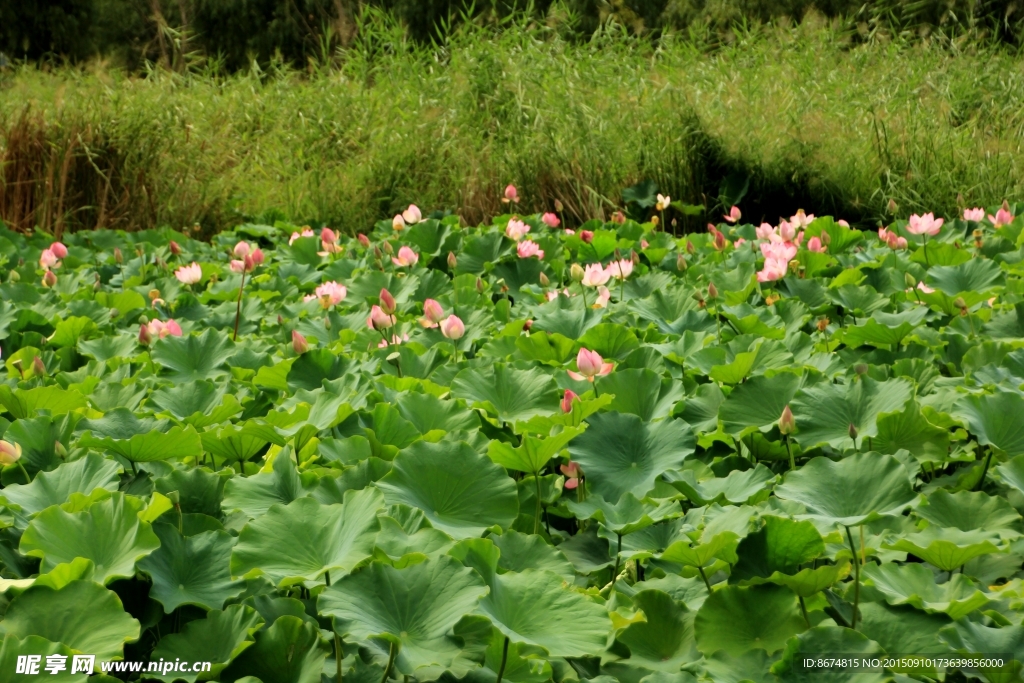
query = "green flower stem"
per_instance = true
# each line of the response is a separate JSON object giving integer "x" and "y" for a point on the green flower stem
{"x": 926, "y": 264}
{"x": 803, "y": 608}
{"x": 615, "y": 572}
{"x": 392, "y": 651}
{"x": 583, "y": 292}
{"x": 856, "y": 578}
{"x": 792, "y": 460}
{"x": 504, "y": 660}
{"x": 984, "y": 471}
{"x": 705, "y": 577}
{"x": 338, "y": 654}
{"x": 238, "y": 307}
{"x": 28, "y": 479}
{"x": 536, "y": 517}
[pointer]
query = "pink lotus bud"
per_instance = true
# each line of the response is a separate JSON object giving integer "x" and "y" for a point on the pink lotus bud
{"x": 567, "y": 400}
{"x": 452, "y": 327}
{"x": 398, "y": 223}
{"x": 257, "y": 257}
{"x": 175, "y": 248}
{"x": 379, "y": 320}
{"x": 49, "y": 278}
{"x": 587, "y": 236}
{"x": 511, "y": 194}
{"x": 618, "y": 218}
{"x": 550, "y": 220}
{"x": 720, "y": 242}
{"x": 328, "y": 236}
{"x": 814, "y": 244}
{"x": 528, "y": 325}
{"x": 432, "y": 313}
{"x": 241, "y": 250}
{"x": 590, "y": 365}
{"x": 38, "y": 367}
{"x": 544, "y": 281}
{"x": 387, "y": 302}
{"x": 712, "y": 291}
{"x": 787, "y": 424}
{"x": 118, "y": 256}
{"x": 363, "y": 240}
{"x": 249, "y": 263}
{"x": 452, "y": 261}
{"x": 144, "y": 336}
{"x": 59, "y": 250}
{"x": 572, "y": 474}
{"x": 412, "y": 215}
{"x": 299, "y": 343}
{"x": 10, "y": 453}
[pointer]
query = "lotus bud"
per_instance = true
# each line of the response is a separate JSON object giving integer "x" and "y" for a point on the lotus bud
{"x": 452, "y": 327}
{"x": 961, "y": 304}
{"x": 712, "y": 291}
{"x": 299, "y": 343}
{"x": 377, "y": 254}
{"x": 257, "y": 256}
{"x": 698, "y": 297}
{"x": 97, "y": 285}
{"x": 587, "y": 236}
{"x": 14, "y": 277}
{"x": 388, "y": 249}
{"x": 680, "y": 263}
{"x": 1006, "y": 205}
{"x": 893, "y": 207}
{"x": 59, "y": 250}
{"x": 576, "y": 272}
{"x": 143, "y": 320}
{"x": 567, "y": 400}
{"x": 154, "y": 294}
{"x": 175, "y": 249}
{"x": 787, "y": 424}
{"x": 387, "y": 302}
{"x": 528, "y": 325}
{"x": 10, "y": 453}
{"x": 49, "y": 278}
{"x": 634, "y": 257}
{"x": 59, "y": 449}
{"x": 910, "y": 280}
{"x": 544, "y": 281}
{"x": 690, "y": 248}
{"x": 118, "y": 256}
{"x": 479, "y": 286}
{"x": 38, "y": 367}
{"x": 363, "y": 240}
{"x": 655, "y": 220}
{"x": 511, "y": 194}
{"x": 558, "y": 205}
{"x": 144, "y": 336}
{"x": 852, "y": 431}
{"x": 280, "y": 319}
{"x": 452, "y": 261}
{"x": 674, "y": 223}
{"x": 823, "y": 324}
{"x": 618, "y": 218}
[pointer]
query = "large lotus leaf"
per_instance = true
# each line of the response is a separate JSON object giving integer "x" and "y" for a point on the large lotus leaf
{"x": 14, "y": 651}
{"x": 191, "y": 571}
{"x": 665, "y": 640}
{"x": 218, "y": 638}
{"x": 427, "y": 413}
{"x": 969, "y": 511}
{"x": 566, "y": 317}
{"x": 1012, "y": 472}
{"x": 240, "y": 441}
{"x": 737, "y": 619}
{"x": 781, "y": 545}
{"x": 947, "y": 549}
{"x": 752, "y": 666}
{"x": 824, "y": 412}
{"x": 176, "y": 443}
{"x": 507, "y": 393}
{"x": 289, "y": 651}
{"x": 910, "y": 430}
{"x": 915, "y": 585}
{"x": 829, "y": 641}
{"x": 402, "y": 546}
{"x": 459, "y": 491}
{"x": 199, "y": 490}
{"x": 54, "y": 488}
{"x": 83, "y": 615}
{"x": 587, "y": 552}
{"x": 520, "y": 552}
{"x": 966, "y": 637}
{"x": 192, "y": 357}
{"x": 108, "y": 532}
{"x": 975, "y": 276}
{"x": 107, "y": 348}
{"x": 626, "y": 516}
{"x": 305, "y": 540}
{"x": 532, "y": 454}
{"x": 414, "y": 608}
{"x": 642, "y": 392}
{"x": 620, "y": 453}
{"x": 38, "y": 439}
{"x": 611, "y": 340}
{"x": 995, "y": 420}
{"x": 852, "y": 491}
{"x": 22, "y": 403}
{"x": 758, "y": 402}
{"x": 902, "y": 630}
{"x": 548, "y": 348}
{"x": 199, "y": 402}
{"x": 537, "y": 608}
{"x": 737, "y": 487}
{"x": 311, "y": 369}
{"x": 256, "y": 494}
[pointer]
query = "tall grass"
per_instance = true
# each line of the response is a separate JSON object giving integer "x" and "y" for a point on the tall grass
{"x": 814, "y": 120}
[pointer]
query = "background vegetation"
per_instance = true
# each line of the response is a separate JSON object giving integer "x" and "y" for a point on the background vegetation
{"x": 834, "y": 116}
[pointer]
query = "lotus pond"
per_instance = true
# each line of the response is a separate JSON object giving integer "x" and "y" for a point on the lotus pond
{"x": 516, "y": 452}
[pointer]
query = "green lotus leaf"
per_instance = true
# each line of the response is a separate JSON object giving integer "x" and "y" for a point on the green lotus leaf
{"x": 807, "y": 581}
{"x": 14, "y": 650}
{"x": 506, "y": 392}
{"x": 781, "y": 545}
{"x": 55, "y": 487}
{"x": 993, "y": 418}
{"x": 628, "y": 515}
{"x": 107, "y": 348}
{"x": 532, "y": 454}
{"x": 427, "y": 413}
{"x": 218, "y": 638}
{"x": 970, "y": 511}
{"x": 83, "y": 615}
{"x": 752, "y": 666}
{"x": 904, "y": 630}
{"x": 414, "y": 608}
{"x": 38, "y": 439}
{"x": 737, "y": 487}
{"x": 235, "y": 442}
{"x": 401, "y": 546}
{"x": 824, "y": 412}
{"x": 24, "y": 403}
{"x": 665, "y": 641}
{"x": 737, "y": 619}
{"x": 1012, "y": 472}
{"x": 947, "y": 549}
{"x": 701, "y": 409}
{"x": 620, "y": 453}
{"x": 192, "y": 357}
{"x": 828, "y": 640}
{"x": 642, "y": 392}
{"x": 198, "y": 489}
{"x": 975, "y": 276}
{"x": 177, "y": 443}
{"x": 611, "y": 340}
{"x": 191, "y": 571}
{"x": 200, "y": 403}
{"x": 520, "y": 552}
{"x": 701, "y": 554}
{"x": 566, "y": 317}
{"x": 304, "y": 540}
{"x": 459, "y": 491}
{"x": 289, "y": 651}
{"x": 858, "y": 301}
{"x": 872, "y": 332}
{"x": 967, "y": 637}
{"x": 256, "y": 494}
{"x": 910, "y": 430}
{"x": 758, "y": 402}
{"x": 853, "y": 491}
{"x": 915, "y": 585}
{"x": 68, "y": 332}
{"x": 522, "y": 662}
{"x": 553, "y": 349}
{"x": 587, "y": 552}
{"x": 537, "y": 608}
{"x": 108, "y": 532}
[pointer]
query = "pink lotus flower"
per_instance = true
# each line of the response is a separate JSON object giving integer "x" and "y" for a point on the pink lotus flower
{"x": 620, "y": 270}
{"x": 158, "y": 329}
{"x": 733, "y": 215}
{"x": 551, "y": 220}
{"x": 764, "y": 231}
{"x": 511, "y": 194}
{"x": 814, "y": 244}
{"x": 48, "y": 259}
{"x": 299, "y": 343}
{"x": 398, "y": 223}
{"x": 595, "y": 275}
{"x": 452, "y": 327}
{"x": 883, "y": 234}
{"x": 779, "y": 251}
{"x": 603, "y": 297}
{"x": 554, "y": 294}
{"x": 740, "y": 242}
{"x": 190, "y": 274}
{"x": 306, "y": 232}
{"x": 395, "y": 339}
{"x": 842, "y": 223}
{"x": 406, "y": 257}
{"x": 927, "y": 224}
{"x": 773, "y": 269}
{"x": 49, "y": 278}
{"x": 1002, "y": 217}
{"x": 528, "y": 249}
{"x": 567, "y": 400}
{"x": 974, "y": 214}
{"x": 516, "y": 229}
{"x": 901, "y": 243}
{"x": 10, "y": 453}
{"x": 587, "y": 236}
{"x": 379, "y": 320}
{"x": 572, "y": 474}
{"x": 644, "y": 244}
{"x": 59, "y": 250}
{"x": 412, "y": 215}
{"x": 787, "y": 231}
{"x": 433, "y": 314}
{"x": 925, "y": 289}
{"x": 570, "y": 232}
{"x": 801, "y": 220}
{"x": 590, "y": 365}
{"x": 363, "y": 240}
{"x": 331, "y": 294}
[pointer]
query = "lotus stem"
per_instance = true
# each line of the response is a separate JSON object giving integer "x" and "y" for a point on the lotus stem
{"x": 926, "y": 264}
{"x": 615, "y": 572}
{"x": 28, "y": 479}
{"x": 984, "y": 470}
{"x": 856, "y": 579}
{"x": 338, "y": 654}
{"x": 792, "y": 460}
{"x": 391, "y": 660}
{"x": 327, "y": 578}
{"x": 238, "y": 307}
{"x": 705, "y": 577}
{"x": 504, "y": 660}
{"x": 803, "y": 608}
{"x": 536, "y": 517}
{"x": 583, "y": 292}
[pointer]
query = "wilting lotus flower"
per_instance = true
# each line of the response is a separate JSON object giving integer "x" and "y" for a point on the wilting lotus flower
{"x": 595, "y": 275}
{"x": 927, "y": 224}
{"x": 59, "y": 250}
{"x": 379, "y": 320}
{"x": 974, "y": 214}
{"x": 412, "y": 215}
{"x": 567, "y": 400}
{"x": 406, "y": 257}
{"x": 516, "y": 229}
{"x": 925, "y": 289}
{"x": 511, "y": 194}
{"x": 306, "y": 232}
{"x": 663, "y": 202}
{"x": 528, "y": 249}
{"x": 587, "y": 236}
{"x": 1002, "y": 217}
{"x": 452, "y": 327}
{"x": 299, "y": 343}
{"x": 572, "y": 474}
{"x": 603, "y": 297}
{"x": 733, "y": 215}
{"x": 49, "y": 278}
{"x": 189, "y": 275}
{"x": 433, "y": 314}
{"x": 551, "y": 220}
{"x": 590, "y": 365}
{"x": 814, "y": 244}
{"x": 159, "y": 329}
{"x": 48, "y": 259}
{"x": 10, "y": 453}
{"x": 620, "y": 270}
{"x": 331, "y": 294}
